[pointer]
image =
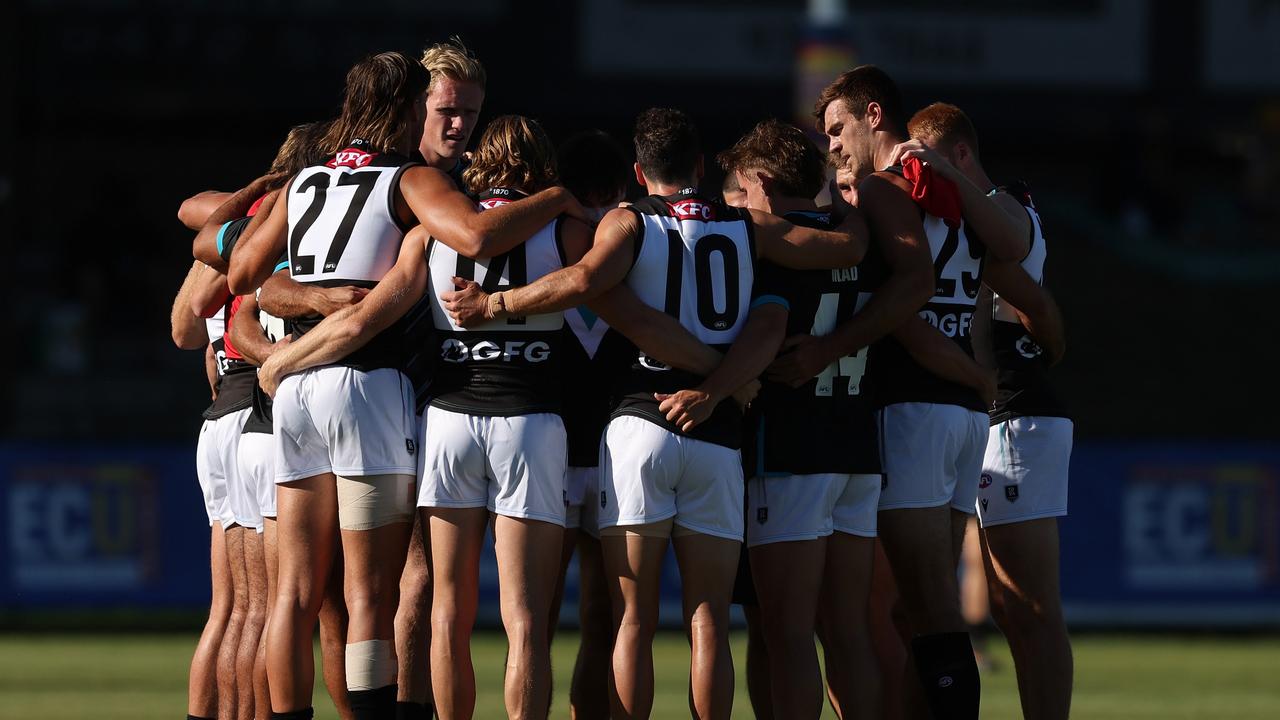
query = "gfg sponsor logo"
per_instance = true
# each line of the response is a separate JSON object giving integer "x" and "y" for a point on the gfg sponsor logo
{"x": 456, "y": 351}
{"x": 949, "y": 324}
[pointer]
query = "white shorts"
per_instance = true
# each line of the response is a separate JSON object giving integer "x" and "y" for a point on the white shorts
{"x": 212, "y": 471}
{"x": 514, "y": 466}
{"x": 344, "y": 421}
{"x": 931, "y": 455}
{"x": 807, "y": 507}
{"x": 257, "y": 462}
{"x": 1024, "y": 474}
{"x": 648, "y": 473}
{"x": 582, "y": 499}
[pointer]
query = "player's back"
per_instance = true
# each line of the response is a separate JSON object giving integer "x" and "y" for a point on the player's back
{"x": 501, "y": 367}
{"x": 694, "y": 261}
{"x": 344, "y": 230}
{"x": 958, "y": 257}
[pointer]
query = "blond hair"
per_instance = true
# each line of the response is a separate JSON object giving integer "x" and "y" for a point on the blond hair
{"x": 453, "y": 60}
{"x": 513, "y": 152}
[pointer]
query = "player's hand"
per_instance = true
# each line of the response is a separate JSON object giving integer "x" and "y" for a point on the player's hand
{"x": 468, "y": 305}
{"x": 988, "y": 387}
{"x": 686, "y": 408}
{"x": 328, "y": 301}
{"x": 280, "y": 344}
{"x": 269, "y": 375}
{"x": 922, "y": 152}
{"x": 802, "y": 357}
{"x": 745, "y": 394}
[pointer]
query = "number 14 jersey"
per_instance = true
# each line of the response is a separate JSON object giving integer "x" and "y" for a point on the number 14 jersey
{"x": 827, "y": 425}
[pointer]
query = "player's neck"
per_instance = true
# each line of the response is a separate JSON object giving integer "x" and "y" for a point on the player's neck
{"x": 882, "y": 153}
{"x": 978, "y": 176}
{"x": 779, "y": 205}
{"x": 661, "y": 188}
{"x": 439, "y": 162}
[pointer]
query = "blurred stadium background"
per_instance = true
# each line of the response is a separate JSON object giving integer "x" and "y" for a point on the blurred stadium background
{"x": 1149, "y": 130}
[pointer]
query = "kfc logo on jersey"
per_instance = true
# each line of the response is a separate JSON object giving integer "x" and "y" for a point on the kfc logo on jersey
{"x": 351, "y": 158}
{"x": 692, "y": 210}
{"x": 492, "y": 203}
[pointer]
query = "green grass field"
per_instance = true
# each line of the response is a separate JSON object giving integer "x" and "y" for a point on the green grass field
{"x": 144, "y": 676}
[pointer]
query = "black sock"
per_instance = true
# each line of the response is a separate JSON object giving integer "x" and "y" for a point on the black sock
{"x": 947, "y": 671}
{"x": 197, "y": 717}
{"x": 413, "y": 711}
{"x": 379, "y": 704}
{"x": 303, "y": 714}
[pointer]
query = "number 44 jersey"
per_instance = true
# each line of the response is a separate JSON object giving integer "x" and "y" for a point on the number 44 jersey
{"x": 827, "y": 425}
{"x": 695, "y": 261}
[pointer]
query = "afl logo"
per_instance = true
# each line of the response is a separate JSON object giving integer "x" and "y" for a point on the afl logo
{"x": 985, "y": 482}
{"x": 945, "y": 681}
{"x": 1027, "y": 347}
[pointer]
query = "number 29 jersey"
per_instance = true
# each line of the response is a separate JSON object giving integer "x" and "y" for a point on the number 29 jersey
{"x": 695, "y": 261}
{"x": 344, "y": 230}
{"x": 958, "y": 257}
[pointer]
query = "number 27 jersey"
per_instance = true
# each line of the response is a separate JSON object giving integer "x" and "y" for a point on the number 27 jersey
{"x": 344, "y": 230}
{"x": 695, "y": 261}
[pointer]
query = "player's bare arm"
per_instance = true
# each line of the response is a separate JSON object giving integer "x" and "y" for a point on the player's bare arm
{"x": 656, "y": 333}
{"x": 248, "y": 336}
{"x": 1005, "y": 228}
{"x": 285, "y": 297}
{"x": 1036, "y": 308}
{"x": 941, "y": 356}
{"x": 752, "y": 351}
{"x": 900, "y": 237}
{"x": 452, "y": 218}
{"x": 205, "y": 246}
{"x": 254, "y": 257}
{"x": 187, "y": 329}
{"x": 195, "y": 210}
{"x": 803, "y": 248}
{"x": 211, "y": 370}
{"x": 208, "y": 292}
{"x": 349, "y": 329}
{"x": 603, "y": 267}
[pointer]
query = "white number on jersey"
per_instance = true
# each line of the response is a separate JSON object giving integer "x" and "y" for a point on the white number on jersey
{"x": 957, "y": 269}
{"x": 849, "y": 366}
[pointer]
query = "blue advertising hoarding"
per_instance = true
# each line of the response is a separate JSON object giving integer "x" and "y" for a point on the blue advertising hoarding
{"x": 1159, "y": 534}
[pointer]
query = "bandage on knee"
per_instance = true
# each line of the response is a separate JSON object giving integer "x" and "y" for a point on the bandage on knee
{"x": 659, "y": 529}
{"x": 372, "y": 501}
{"x": 371, "y": 664}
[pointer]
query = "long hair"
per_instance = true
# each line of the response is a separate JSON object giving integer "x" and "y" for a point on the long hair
{"x": 378, "y": 107}
{"x": 301, "y": 147}
{"x": 513, "y": 152}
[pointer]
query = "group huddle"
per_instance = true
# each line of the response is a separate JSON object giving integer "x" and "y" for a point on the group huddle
{"x": 793, "y": 382}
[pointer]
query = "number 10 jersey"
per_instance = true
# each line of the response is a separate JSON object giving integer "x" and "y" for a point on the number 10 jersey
{"x": 695, "y": 261}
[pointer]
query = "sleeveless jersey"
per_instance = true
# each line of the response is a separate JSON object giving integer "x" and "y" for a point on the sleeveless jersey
{"x": 501, "y": 367}
{"x": 236, "y": 377}
{"x": 826, "y": 425}
{"x": 343, "y": 230}
{"x": 259, "y": 420}
{"x": 958, "y": 257}
{"x": 1021, "y": 368}
{"x": 695, "y": 261}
